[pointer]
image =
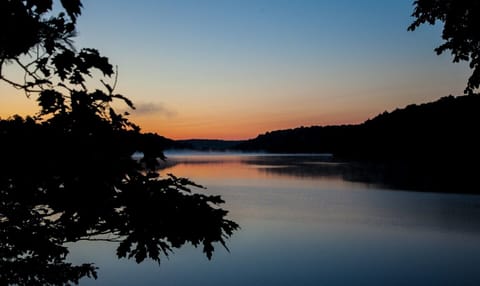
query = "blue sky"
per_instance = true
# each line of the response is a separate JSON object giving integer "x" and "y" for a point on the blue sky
{"x": 233, "y": 69}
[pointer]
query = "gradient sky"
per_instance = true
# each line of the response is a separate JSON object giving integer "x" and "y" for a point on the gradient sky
{"x": 232, "y": 69}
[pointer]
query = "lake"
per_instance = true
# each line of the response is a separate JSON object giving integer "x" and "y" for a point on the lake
{"x": 306, "y": 220}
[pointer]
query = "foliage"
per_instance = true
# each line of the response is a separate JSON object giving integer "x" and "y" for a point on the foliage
{"x": 435, "y": 144}
{"x": 68, "y": 173}
{"x": 461, "y": 31}
{"x": 41, "y": 44}
{"x": 60, "y": 186}
{"x": 26, "y": 25}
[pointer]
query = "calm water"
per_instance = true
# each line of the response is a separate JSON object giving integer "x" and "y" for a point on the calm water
{"x": 307, "y": 221}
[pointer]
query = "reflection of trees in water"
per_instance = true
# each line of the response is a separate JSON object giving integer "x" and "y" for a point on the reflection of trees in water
{"x": 300, "y": 166}
{"x": 59, "y": 186}
{"x": 319, "y": 167}
{"x": 423, "y": 175}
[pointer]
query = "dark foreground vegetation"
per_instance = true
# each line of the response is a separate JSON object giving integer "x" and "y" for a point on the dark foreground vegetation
{"x": 62, "y": 181}
{"x": 67, "y": 173}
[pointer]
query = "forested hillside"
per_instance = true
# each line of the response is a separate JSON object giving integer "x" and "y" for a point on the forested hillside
{"x": 445, "y": 127}
{"x": 432, "y": 146}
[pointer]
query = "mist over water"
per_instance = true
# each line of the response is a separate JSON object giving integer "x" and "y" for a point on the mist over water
{"x": 306, "y": 220}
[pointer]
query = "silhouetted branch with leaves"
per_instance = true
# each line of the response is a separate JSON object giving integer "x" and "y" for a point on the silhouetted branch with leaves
{"x": 68, "y": 173}
{"x": 461, "y": 31}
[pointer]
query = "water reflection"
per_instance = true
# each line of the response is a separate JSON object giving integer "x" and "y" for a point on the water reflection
{"x": 314, "y": 187}
{"x": 304, "y": 223}
{"x": 390, "y": 175}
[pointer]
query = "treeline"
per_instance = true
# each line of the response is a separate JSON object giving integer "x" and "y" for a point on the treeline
{"x": 205, "y": 145}
{"x": 441, "y": 128}
{"x": 432, "y": 146}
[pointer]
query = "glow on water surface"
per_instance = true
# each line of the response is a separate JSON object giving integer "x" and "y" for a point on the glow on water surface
{"x": 304, "y": 221}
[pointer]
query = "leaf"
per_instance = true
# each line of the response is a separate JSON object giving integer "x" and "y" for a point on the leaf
{"x": 125, "y": 99}
{"x": 64, "y": 63}
{"x": 51, "y": 101}
{"x": 42, "y": 66}
{"x": 101, "y": 96}
{"x": 91, "y": 58}
{"x": 73, "y": 8}
{"x": 107, "y": 86}
{"x": 208, "y": 249}
{"x": 124, "y": 248}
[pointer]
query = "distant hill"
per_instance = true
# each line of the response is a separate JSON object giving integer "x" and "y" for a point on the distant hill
{"x": 434, "y": 146}
{"x": 449, "y": 124}
{"x": 207, "y": 144}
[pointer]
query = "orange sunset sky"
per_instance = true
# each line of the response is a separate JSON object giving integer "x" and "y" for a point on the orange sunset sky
{"x": 235, "y": 69}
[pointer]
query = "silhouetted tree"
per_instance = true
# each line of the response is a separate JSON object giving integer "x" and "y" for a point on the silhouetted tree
{"x": 431, "y": 146}
{"x": 41, "y": 44}
{"x": 461, "y": 30}
{"x": 68, "y": 173}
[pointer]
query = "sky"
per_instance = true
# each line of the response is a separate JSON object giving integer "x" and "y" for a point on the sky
{"x": 233, "y": 69}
